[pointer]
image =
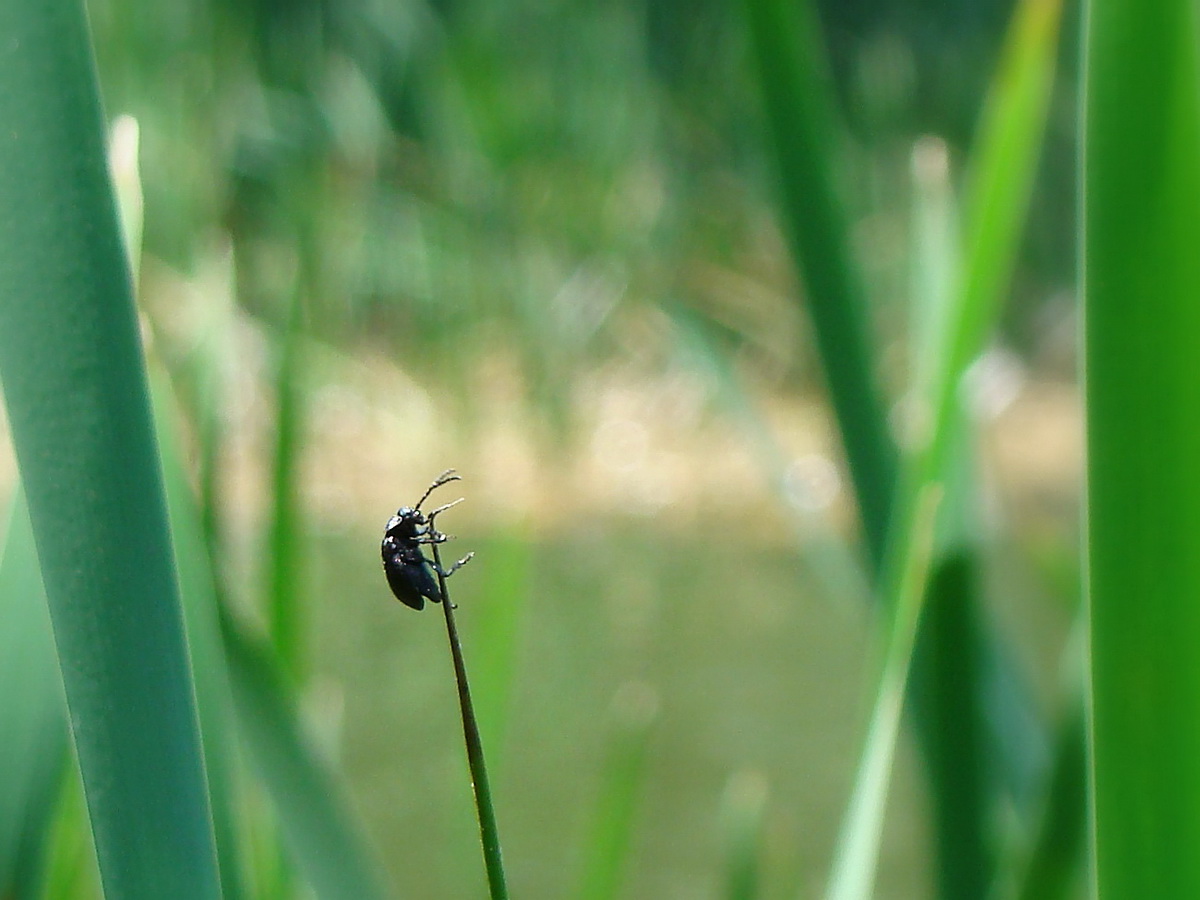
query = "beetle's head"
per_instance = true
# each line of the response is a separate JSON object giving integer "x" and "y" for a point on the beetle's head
{"x": 407, "y": 523}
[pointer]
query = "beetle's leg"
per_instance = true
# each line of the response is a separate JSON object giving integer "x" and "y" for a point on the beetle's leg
{"x": 446, "y": 573}
{"x": 441, "y": 509}
{"x": 446, "y": 477}
{"x": 432, "y": 537}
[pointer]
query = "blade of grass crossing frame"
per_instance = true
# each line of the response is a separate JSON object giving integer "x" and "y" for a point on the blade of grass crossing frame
{"x": 1141, "y": 200}
{"x": 853, "y": 874}
{"x": 1002, "y": 170}
{"x": 320, "y": 834}
{"x": 946, "y": 676}
{"x": 33, "y": 719}
{"x": 1001, "y": 175}
{"x": 75, "y": 387}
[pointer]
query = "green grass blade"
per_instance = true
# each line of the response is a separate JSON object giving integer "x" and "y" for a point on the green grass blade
{"x": 745, "y": 803}
{"x": 796, "y": 101}
{"x": 286, "y": 559}
{"x": 853, "y": 874}
{"x": 75, "y": 387}
{"x": 1006, "y": 157}
{"x": 213, "y": 696}
{"x": 1141, "y": 201}
{"x": 947, "y": 684}
{"x": 634, "y": 712}
{"x": 1003, "y": 166}
{"x": 33, "y": 720}
{"x": 316, "y": 827}
{"x": 496, "y": 638}
{"x": 1055, "y": 862}
{"x": 71, "y": 872}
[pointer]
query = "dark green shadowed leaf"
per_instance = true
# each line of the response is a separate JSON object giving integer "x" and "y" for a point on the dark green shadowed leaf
{"x": 798, "y": 107}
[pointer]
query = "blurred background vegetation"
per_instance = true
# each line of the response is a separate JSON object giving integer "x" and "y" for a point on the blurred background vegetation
{"x": 544, "y": 243}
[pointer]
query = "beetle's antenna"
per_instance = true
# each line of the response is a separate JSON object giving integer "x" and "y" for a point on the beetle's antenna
{"x": 447, "y": 476}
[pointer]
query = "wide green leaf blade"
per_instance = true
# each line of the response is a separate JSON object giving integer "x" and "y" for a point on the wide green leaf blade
{"x": 1141, "y": 194}
{"x": 75, "y": 388}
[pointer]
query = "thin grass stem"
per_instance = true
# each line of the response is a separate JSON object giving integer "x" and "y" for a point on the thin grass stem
{"x": 488, "y": 832}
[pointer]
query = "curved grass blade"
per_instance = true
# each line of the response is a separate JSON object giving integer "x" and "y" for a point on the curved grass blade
{"x": 1001, "y": 178}
{"x": 76, "y": 392}
{"x": 853, "y": 874}
{"x": 324, "y": 843}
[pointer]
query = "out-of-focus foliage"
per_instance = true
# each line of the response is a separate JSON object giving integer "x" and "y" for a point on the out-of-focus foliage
{"x": 445, "y": 176}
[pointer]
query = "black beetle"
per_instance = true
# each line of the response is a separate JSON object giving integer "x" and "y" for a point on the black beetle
{"x": 410, "y": 574}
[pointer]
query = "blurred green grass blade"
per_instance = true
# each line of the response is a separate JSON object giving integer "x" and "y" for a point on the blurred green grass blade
{"x": 318, "y": 830}
{"x": 285, "y": 560}
{"x": 1001, "y": 174}
{"x": 214, "y": 699}
{"x": 935, "y": 256}
{"x": 946, "y": 679}
{"x": 496, "y": 638}
{"x": 192, "y": 559}
{"x": 75, "y": 387}
{"x": 71, "y": 872}
{"x": 634, "y": 712}
{"x": 853, "y": 874}
{"x": 1056, "y": 861}
{"x": 947, "y": 674}
{"x": 744, "y": 804}
{"x": 1141, "y": 196}
{"x": 1003, "y": 164}
{"x": 787, "y": 51}
{"x": 1002, "y": 170}
{"x": 33, "y": 719}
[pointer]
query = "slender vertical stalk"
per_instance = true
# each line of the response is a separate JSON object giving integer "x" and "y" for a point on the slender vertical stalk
{"x": 488, "y": 831}
{"x": 787, "y": 50}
